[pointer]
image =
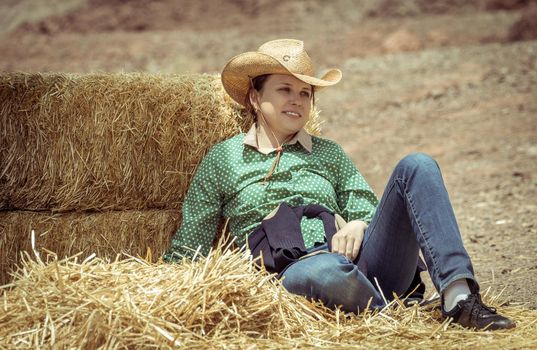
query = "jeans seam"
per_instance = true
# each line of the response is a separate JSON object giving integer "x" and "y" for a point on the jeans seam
{"x": 372, "y": 227}
{"x": 418, "y": 222}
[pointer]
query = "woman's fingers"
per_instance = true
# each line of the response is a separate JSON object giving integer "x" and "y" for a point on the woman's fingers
{"x": 347, "y": 240}
{"x": 356, "y": 248}
{"x": 345, "y": 245}
{"x": 336, "y": 239}
{"x": 349, "y": 246}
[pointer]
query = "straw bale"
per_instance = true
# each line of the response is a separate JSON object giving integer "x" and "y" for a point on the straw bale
{"x": 106, "y": 234}
{"x": 108, "y": 141}
{"x": 217, "y": 302}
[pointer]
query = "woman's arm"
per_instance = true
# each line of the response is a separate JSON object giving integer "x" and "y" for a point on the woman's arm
{"x": 355, "y": 198}
{"x": 357, "y": 203}
{"x": 202, "y": 210}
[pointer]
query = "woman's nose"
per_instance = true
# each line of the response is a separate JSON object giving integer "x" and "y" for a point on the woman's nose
{"x": 295, "y": 99}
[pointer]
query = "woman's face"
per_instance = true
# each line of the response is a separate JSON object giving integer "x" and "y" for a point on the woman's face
{"x": 285, "y": 102}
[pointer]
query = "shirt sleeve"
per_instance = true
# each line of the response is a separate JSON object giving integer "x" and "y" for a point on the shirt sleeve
{"x": 355, "y": 198}
{"x": 202, "y": 210}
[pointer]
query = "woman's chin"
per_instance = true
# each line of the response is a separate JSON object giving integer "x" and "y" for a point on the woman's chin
{"x": 292, "y": 125}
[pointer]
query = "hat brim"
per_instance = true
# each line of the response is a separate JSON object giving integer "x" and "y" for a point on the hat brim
{"x": 240, "y": 69}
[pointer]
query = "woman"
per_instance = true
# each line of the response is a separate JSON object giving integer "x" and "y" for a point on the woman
{"x": 301, "y": 203}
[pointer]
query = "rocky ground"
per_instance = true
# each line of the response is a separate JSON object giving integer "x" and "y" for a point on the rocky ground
{"x": 441, "y": 77}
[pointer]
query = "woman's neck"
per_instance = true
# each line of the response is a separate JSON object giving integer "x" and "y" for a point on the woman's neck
{"x": 267, "y": 139}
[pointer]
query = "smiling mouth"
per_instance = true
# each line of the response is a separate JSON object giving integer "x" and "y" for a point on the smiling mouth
{"x": 292, "y": 114}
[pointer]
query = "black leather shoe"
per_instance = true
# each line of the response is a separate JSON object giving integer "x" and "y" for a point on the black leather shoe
{"x": 472, "y": 313}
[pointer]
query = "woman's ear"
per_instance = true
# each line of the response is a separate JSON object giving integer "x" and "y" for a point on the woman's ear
{"x": 254, "y": 98}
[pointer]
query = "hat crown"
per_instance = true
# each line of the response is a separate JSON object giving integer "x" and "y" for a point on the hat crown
{"x": 291, "y": 54}
{"x": 281, "y": 56}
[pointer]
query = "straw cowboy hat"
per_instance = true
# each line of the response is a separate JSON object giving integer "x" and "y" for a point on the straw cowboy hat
{"x": 282, "y": 56}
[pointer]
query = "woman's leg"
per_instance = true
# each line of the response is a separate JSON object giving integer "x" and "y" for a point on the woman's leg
{"x": 414, "y": 213}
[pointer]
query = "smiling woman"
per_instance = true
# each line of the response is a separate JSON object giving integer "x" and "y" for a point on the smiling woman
{"x": 299, "y": 202}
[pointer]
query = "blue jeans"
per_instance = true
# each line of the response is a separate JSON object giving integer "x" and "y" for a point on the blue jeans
{"x": 414, "y": 214}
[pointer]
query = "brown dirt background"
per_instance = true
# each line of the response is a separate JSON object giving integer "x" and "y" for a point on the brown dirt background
{"x": 454, "y": 79}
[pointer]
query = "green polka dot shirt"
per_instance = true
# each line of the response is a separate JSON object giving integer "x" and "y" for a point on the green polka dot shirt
{"x": 228, "y": 183}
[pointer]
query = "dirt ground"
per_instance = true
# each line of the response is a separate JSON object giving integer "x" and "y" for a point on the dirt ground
{"x": 440, "y": 77}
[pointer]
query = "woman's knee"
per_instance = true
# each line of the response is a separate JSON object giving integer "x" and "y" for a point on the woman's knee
{"x": 417, "y": 160}
{"x": 333, "y": 279}
{"x": 317, "y": 272}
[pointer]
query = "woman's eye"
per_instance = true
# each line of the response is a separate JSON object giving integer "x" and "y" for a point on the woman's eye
{"x": 306, "y": 94}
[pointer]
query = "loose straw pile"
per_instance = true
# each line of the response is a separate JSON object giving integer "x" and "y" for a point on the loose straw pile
{"x": 217, "y": 302}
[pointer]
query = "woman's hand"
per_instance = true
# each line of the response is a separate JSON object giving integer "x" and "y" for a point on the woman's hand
{"x": 348, "y": 239}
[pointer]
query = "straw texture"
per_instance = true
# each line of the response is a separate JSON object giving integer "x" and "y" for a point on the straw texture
{"x": 217, "y": 302}
{"x": 108, "y": 141}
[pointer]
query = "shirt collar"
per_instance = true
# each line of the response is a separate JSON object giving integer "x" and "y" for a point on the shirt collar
{"x": 302, "y": 137}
